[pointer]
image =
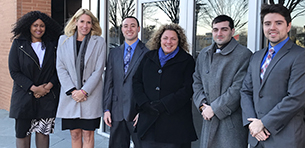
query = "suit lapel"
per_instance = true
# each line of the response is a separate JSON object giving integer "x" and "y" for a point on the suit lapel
{"x": 135, "y": 57}
{"x": 120, "y": 60}
{"x": 70, "y": 49}
{"x": 258, "y": 63}
{"x": 90, "y": 48}
{"x": 281, "y": 53}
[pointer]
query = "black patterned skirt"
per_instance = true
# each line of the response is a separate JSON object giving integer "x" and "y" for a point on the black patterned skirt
{"x": 25, "y": 127}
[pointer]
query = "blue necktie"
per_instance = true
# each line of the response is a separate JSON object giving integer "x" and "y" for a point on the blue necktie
{"x": 127, "y": 59}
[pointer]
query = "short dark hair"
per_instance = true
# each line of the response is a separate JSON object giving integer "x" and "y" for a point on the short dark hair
{"x": 275, "y": 8}
{"x": 222, "y": 18}
{"x": 133, "y": 18}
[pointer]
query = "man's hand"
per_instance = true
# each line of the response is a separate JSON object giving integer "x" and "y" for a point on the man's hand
{"x": 207, "y": 112}
{"x": 135, "y": 120}
{"x": 262, "y": 135}
{"x": 255, "y": 126}
{"x": 107, "y": 118}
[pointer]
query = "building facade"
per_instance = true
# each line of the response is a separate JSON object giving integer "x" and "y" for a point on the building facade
{"x": 194, "y": 16}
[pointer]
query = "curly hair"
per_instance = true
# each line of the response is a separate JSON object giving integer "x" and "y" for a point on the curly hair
{"x": 23, "y": 26}
{"x": 154, "y": 43}
{"x": 71, "y": 27}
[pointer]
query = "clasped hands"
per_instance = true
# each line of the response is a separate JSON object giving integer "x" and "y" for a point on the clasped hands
{"x": 79, "y": 95}
{"x": 154, "y": 108}
{"x": 207, "y": 112}
{"x": 41, "y": 90}
{"x": 258, "y": 130}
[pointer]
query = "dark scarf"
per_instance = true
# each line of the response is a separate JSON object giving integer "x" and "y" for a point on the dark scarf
{"x": 80, "y": 57}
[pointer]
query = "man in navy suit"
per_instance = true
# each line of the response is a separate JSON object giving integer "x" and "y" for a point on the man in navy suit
{"x": 119, "y": 105}
{"x": 273, "y": 92}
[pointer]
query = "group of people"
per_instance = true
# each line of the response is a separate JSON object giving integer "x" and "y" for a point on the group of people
{"x": 148, "y": 90}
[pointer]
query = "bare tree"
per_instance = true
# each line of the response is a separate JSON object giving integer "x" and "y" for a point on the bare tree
{"x": 127, "y": 8}
{"x": 207, "y": 10}
{"x": 170, "y": 8}
{"x": 118, "y": 10}
{"x": 113, "y": 12}
{"x": 297, "y": 6}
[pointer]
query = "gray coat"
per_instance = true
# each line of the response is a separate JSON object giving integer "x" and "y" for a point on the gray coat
{"x": 219, "y": 81}
{"x": 95, "y": 59}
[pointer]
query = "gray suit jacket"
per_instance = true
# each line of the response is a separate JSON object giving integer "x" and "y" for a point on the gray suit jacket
{"x": 279, "y": 100}
{"x": 118, "y": 94}
{"x": 95, "y": 59}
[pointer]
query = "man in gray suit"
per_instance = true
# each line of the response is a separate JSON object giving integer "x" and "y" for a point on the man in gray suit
{"x": 273, "y": 92}
{"x": 219, "y": 72}
{"x": 119, "y": 105}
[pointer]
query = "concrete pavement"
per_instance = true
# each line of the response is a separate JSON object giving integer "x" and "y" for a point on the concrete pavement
{"x": 60, "y": 139}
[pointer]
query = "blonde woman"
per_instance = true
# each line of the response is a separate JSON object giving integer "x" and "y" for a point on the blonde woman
{"x": 80, "y": 63}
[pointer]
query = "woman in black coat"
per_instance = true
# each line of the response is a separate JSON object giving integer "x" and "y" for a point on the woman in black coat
{"x": 35, "y": 92}
{"x": 163, "y": 89}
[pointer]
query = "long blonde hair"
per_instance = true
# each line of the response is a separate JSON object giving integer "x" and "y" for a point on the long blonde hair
{"x": 71, "y": 27}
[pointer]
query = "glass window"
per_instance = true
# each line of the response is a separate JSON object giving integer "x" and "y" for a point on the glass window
{"x": 158, "y": 13}
{"x": 118, "y": 10}
{"x": 297, "y": 9}
{"x": 206, "y": 11}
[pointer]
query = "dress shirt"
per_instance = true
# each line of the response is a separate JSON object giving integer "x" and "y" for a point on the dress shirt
{"x": 276, "y": 49}
{"x": 133, "y": 47}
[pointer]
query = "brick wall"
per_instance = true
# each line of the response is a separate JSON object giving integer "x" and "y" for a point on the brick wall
{"x": 10, "y": 11}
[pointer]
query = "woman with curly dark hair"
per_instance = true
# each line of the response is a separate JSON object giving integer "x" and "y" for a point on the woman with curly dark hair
{"x": 32, "y": 67}
{"x": 163, "y": 87}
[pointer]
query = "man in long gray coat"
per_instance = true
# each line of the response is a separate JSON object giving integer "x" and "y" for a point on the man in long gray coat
{"x": 220, "y": 70}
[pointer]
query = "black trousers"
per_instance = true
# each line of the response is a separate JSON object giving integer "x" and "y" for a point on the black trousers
{"x": 120, "y": 133}
{"x": 149, "y": 142}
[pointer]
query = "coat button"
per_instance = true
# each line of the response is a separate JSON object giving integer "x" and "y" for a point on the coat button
{"x": 160, "y": 71}
{"x": 207, "y": 72}
{"x": 260, "y": 95}
{"x": 157, "y": 88}
{"x": 84, "y": 81}
{"x": 30, "y": 93}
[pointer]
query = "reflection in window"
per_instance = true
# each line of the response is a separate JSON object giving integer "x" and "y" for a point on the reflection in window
{"x": 297, "y": 9}
{"x": 207, "y": 10}
{"x": 158, "y": 13}
{"x": 118, "y": 10}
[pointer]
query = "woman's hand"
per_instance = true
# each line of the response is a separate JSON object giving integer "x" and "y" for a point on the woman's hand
{"x": 39, "y": 91}
{"x": 79, "y": 95}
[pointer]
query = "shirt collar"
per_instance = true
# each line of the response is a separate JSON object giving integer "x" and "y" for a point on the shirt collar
{"x": 133, "y": 46}
{"x": 279, "y": 45}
